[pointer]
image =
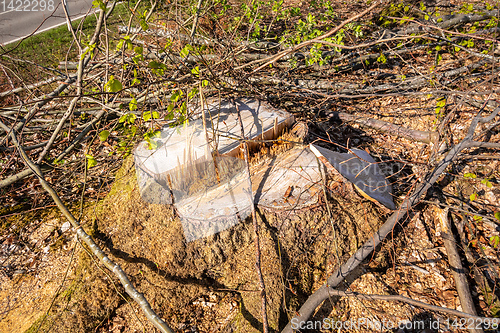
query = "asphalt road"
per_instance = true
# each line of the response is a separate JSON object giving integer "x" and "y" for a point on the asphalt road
{"x": 20, "y": 18}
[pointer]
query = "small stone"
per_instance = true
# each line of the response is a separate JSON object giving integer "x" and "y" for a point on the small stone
{"x": 65, "y": 227}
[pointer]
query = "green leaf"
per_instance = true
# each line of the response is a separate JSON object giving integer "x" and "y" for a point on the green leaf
{"x": 125, "y": 40}
{"x": 99, "y": 4}
{"x": 152, "y": 134}
{"x": 133, "y": 104}
{"x": 113, "y": 85}
{"x": 152, "y": 144}
{"x": 477, "y": 218}
{"x": 487, "y": 183}
{"x": 473, "y": 196}
{"x": 144, "y": 25}
{"x": 119, "y": 45}
{"x": 195, "y": 71}
{"x": 441, "y": 102}
{"x": 149, "y": 136}
{"x": 91, "y": 161}
{"x": 185, "y": 51}
{"x": 469, "y": 175}
{"x": 138, "y": 49}
{"x": 133, "y": 129}
{"x": 146, "y": 115}
{"x": 130, "y": 46}
{"x": 192, "y": 93}
{"x": 183, "y": 108}
{"x": 176, "y": 96}
{"x": 89, "y": 49}
{"x": 382, "y": 59}
{"x": 154, "y": 65}
{"x": 497, "y": 215}
{"x": 128, "y": 118}
{"x": 169, "y": 116}
{"x": 494, "y": 241}
{"x": 103, "y": 136}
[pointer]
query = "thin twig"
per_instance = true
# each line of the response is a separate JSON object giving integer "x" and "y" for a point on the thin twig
{"x": 256, "y": 229}
{"x": 399, "y": 298}
{"x": 96, "y": 250}
{"x": 411, "y": 200}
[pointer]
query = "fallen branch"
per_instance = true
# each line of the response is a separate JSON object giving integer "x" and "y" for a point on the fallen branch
{"x": 446, "y": 23}
{"x": 347, "y": 89}
{"x": 362, "y": 253}
{"x": 399, "y": 298}
{"x": 96, "y": 250}
{"x": 31, "y": 86}
{"x": 392, "y": 129}
{"x": 27, "y": 172}
{"x": 477, "y": 274}
{"x": 457, "y": 269}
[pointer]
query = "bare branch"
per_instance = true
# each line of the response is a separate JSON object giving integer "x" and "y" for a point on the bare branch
{"x": 96, "y": 250}
{"x": 421, "y": 189}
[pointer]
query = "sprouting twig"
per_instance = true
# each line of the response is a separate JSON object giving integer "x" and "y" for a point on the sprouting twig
{"x": 280, "y": 55}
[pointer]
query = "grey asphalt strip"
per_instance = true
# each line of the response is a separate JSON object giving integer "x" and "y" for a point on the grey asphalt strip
{"x": 20, "y": 18}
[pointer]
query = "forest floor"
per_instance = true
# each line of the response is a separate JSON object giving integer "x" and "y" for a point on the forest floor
{"x": 402, "y": 82}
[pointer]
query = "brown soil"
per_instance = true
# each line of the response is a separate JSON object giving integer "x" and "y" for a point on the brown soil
{"x": 210, "y": 283}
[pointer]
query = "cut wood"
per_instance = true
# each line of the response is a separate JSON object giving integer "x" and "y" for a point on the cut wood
{"x": 457, "y": 270}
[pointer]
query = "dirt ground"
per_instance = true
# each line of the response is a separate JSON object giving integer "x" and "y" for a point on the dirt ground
{"x": 211, "y": 285}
